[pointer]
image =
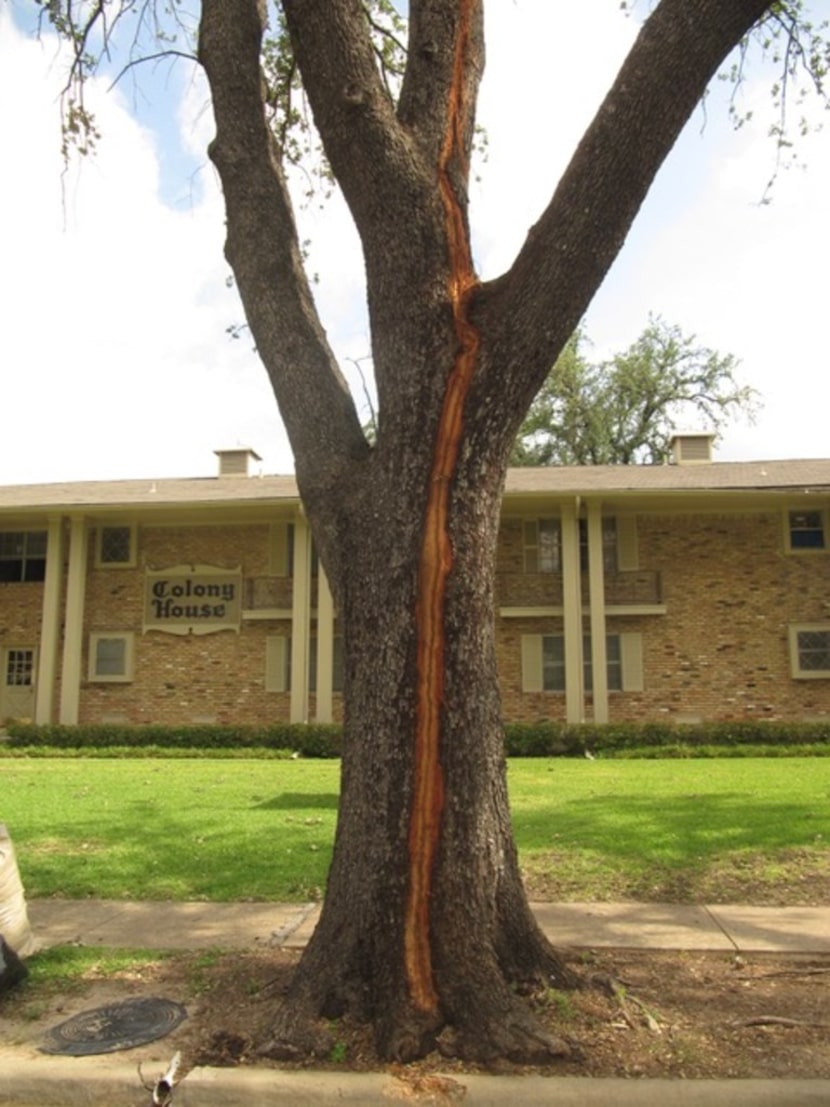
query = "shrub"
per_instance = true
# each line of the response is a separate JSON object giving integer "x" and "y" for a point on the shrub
{"x": 540, "y": 739}
{"x": 316, "y": 740}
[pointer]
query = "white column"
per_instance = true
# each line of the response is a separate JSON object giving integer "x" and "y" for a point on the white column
{"x": 325, "y": 649}
{"x": 300, "y": 621}
{"x": 572, "y": 612}
{"x": 50, "y": 622}
{"x": 74, "y": 623}
{"x": 596, "y": 601}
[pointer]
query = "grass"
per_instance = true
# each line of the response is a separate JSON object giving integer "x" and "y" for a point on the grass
{"x": 250, "y": 829}
{"x": 705, "y": 830}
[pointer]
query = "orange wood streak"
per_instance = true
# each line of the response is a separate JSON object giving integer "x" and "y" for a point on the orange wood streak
{"x": 436, "y": 562}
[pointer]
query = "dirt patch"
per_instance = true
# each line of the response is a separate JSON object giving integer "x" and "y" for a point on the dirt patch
{"x": 641, "y": 1014}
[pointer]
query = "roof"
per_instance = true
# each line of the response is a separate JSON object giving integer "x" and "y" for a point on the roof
{"x": 133, "y": 493}
{"x": 811, "y": 475}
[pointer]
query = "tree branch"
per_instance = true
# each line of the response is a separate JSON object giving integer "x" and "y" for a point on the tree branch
{"x": 263, "y": 249}
{"x": 569, "y": 251}
{"x": 352, "y": 109}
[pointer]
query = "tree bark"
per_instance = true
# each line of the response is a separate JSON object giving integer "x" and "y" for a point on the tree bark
{"x": 425, "y": 925}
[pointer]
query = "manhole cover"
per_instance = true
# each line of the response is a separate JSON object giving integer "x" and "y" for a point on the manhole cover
{"x": 115, "y": 1026}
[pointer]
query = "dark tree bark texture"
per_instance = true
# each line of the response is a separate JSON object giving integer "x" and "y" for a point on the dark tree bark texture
{"x": 425, "y": 926}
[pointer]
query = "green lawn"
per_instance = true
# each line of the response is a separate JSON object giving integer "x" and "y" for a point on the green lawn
{"x": 220, "y": 829}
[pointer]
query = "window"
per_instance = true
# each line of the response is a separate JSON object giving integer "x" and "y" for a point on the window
{"x": 278, "y": 664}
{"x": 23, "y": 555}
{"x": 806, "y": 530}
{"x": 543, "y": 662}
{"x": 110, "y": 657}
{"x": 542, "y": 546}
{"x": 810, "y": 651}
{"x": 337, "y": 665}
{"x": 553, "y": 662}
{"x": 20, "y": 667}
{"x": 613, "y": 662}
{"x": 609, "y": 545}
{"x": 116, "y": 545}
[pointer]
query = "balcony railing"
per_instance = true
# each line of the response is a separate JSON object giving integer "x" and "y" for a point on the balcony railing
{"x": 634, "y": 588}
{"x": 266, "y": 593}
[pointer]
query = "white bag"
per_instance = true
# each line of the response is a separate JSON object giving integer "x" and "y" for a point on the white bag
{"x": 14, "y": 921}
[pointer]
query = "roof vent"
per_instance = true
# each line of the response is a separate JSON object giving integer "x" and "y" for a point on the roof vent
{"x": 236, "y": 462}
{"x": 692, "y": 447}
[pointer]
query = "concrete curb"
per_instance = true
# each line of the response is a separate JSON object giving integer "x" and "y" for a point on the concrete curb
{"x": 61, "y": 1082}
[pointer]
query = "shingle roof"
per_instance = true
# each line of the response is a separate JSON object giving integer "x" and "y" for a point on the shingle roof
{"x": 698, "y": 477}
{"x": 131, "y": 493}
{"x": 810, "y": 474}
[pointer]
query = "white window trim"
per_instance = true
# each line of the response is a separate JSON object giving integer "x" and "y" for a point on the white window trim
{"x": 129, "y": 564}
{"x": 129, "y": 657}
{"x": 796, "y": 671}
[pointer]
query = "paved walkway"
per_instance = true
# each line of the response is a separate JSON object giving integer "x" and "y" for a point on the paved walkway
{"x": 35, "y": 1080}
{"x": 159, "y": 925}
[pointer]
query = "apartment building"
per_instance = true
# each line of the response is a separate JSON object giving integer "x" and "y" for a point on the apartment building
{"x": 692, "y": 591}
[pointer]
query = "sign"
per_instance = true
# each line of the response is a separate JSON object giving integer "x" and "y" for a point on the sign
{"x": 192, "y": 599}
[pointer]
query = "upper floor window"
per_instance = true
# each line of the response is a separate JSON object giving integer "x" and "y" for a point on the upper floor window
{"x": 609, "y": 544}
{"x": 806, "y": 530}
{"x": 116, "y": 546}
{"x": 23, "y": 555}
{"x": 543, "y": 545}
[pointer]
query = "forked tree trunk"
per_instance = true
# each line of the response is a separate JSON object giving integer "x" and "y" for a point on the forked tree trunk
{"x": 473, "y": 929}
{"x": 425, "y": 923}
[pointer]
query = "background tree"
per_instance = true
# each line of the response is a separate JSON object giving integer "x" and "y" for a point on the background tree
{"x": 625, "y": 410}
{"x": 425, "y": 926}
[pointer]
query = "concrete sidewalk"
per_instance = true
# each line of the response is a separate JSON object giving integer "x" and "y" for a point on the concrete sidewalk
{"x": 35, "y": 1080}
{"x": 162, "y": 925}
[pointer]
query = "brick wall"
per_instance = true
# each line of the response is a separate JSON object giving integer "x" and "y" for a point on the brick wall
{"x": 720, "y": 650}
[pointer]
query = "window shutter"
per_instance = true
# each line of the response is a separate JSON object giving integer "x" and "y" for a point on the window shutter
{"x": 275, "y": 656}
{"x": 531, "y": 663}
{"x": 278, "y": 559}
{"x": 530, "y": 545}
{"x": 631, "y": 662}
{"x": 627, "y": 552}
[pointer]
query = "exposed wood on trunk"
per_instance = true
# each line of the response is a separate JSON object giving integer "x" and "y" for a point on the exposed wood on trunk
{"x": 436, "y": 557}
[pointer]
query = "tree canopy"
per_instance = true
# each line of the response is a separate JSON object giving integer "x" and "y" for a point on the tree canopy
{"x": 624, "y": 410}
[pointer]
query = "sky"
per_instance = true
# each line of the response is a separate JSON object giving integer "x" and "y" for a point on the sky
{"x": 115, "y": 356}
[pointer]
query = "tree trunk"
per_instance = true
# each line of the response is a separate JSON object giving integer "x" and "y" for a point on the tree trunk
{"x": 425, "y": 925}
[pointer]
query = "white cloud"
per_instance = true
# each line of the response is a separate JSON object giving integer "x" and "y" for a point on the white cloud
{"x": 704, "y": 253}
{"x": 115, "y": 357}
